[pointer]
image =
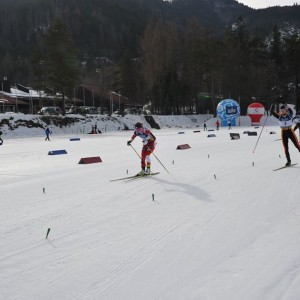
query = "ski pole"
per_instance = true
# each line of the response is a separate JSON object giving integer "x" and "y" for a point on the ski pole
{"x": 160, "y": 162}
{"x": 260, "y": 133}
{"x": 153, "y": 155}
{"x": 135, "y": 151}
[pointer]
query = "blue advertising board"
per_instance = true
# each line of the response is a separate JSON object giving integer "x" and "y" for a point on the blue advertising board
{"x": 228, "y": 110}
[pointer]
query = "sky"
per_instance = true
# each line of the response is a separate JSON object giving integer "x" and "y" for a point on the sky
{"x": 220, "y": 224}
{"x": 267, "y": 3}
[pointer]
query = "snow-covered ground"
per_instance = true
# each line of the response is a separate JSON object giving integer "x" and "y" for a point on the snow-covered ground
{"x": 221, "y": 225}
{"x": 16, "y": 125}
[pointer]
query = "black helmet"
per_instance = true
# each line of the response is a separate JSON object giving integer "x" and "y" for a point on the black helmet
{"x": 138, "y": 125}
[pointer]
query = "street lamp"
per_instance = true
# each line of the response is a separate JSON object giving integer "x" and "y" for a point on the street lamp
{"x": 4, "y": 79}
{"x": 16, "y": 94}
{"x": 111, "y": 97}
{"x": 3, "y": 100}
{"x": 100, "y": 87}
{"x": 111, "y": 102}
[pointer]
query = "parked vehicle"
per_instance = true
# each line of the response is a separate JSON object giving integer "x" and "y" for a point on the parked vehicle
{"x": 50, "y": 110}
{"x": 103, "y": 111}
{"x": 90, "y": 110}
{"x": 74, "y": 110}
{"x": 83, "y": 110}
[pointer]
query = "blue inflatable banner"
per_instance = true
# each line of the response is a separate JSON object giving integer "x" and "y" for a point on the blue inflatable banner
{"x": 228, "y": 110}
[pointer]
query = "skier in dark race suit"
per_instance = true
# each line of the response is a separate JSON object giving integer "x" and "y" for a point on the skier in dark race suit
{"x": 47, "y": 132}
{"x": 285, "y": 118}
{"x": 148, "y": 146}
{"x": 297, "y": 121}
{"x": 1, "y": 141}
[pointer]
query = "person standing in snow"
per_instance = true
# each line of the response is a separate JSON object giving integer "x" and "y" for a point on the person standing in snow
{"x": 1, "y": 141}
{"x": 204, "y": 126}
{"x": 229, "y": 124}
{"x": 285, "y": 118}
{"x": 217, "y": 124}
{"x": 47, "y": 132}
{"x": 148, "y": 146}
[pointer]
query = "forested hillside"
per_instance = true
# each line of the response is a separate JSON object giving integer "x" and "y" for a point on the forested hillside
{"x": 173, "y": 51}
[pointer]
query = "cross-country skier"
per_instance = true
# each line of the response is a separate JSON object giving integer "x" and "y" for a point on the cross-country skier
{"x": 285, "y": 118}
{"x": 47, "y": 132}
{"x": 148, "y": 146}
{"x": 1, "y": 141}
{"x": 297, "y": 121}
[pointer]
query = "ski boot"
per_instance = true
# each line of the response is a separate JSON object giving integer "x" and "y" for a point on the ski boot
{"x": 141, "y": 173}
{"x": 288, "y": 163}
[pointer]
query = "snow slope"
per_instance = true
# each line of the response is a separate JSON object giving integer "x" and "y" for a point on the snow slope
{"x": 16, "y": 125}
{"x": 221, "y": 225}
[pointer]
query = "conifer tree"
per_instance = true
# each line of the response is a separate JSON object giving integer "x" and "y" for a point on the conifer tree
{"x": 61, "y": 63}
{"x": 292, "y": 47}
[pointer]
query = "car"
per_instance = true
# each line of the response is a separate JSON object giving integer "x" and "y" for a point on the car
{"x": 103, "y": 111}
{"x": 50, "y": 110}
{"x": 90, "y": 110}
{"x": 74, "y": 110}
{"x": 119, "y": 113}
{"x": 128, "y": 111}
{"x": 11, "y": 113}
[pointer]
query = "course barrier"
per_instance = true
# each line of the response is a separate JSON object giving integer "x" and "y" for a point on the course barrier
{"x": 90, "y": 160}
{"x": 234, "y": 136}
{"x": 252, "y": 133}
{"x": 57, "y": 152}
{"x": 183, "y": 147}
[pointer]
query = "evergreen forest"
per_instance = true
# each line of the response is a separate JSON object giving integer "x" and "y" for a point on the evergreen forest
{"x": 173, "y": 54}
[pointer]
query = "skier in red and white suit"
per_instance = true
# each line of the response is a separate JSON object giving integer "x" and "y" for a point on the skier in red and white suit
{"x": 148, "y": 146}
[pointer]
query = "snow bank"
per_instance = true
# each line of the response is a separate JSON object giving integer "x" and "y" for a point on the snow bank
{"x": 21, "y": 125}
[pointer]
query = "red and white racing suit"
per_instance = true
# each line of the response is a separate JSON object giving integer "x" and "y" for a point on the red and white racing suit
{"x": 148, "y": 145}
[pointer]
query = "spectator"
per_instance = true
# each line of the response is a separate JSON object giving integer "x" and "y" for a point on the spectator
{"x": 47, "y": 132}
{"x": 1, "y": 141}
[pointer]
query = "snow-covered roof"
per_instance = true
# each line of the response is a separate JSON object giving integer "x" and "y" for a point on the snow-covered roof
{"x": 14, "y": 92}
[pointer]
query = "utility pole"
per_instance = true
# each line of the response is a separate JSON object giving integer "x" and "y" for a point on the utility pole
{"x": 3, "y": 79}
{"x": 100, "y": 87}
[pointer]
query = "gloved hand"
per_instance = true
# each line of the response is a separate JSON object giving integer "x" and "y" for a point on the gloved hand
{"x": 145, "y": 142}
{"x": 129, "y": 143}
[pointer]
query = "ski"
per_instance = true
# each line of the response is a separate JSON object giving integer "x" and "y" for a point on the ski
{"x": 143, "y": 176}
{"x": 134, "y": 177}
{"x": 284, "y": 167}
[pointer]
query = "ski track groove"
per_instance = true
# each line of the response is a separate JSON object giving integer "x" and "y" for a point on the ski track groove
{"x": 175, "y": 290}
{"x": 235, "y": 246}
{"x": 107, "y": 276}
